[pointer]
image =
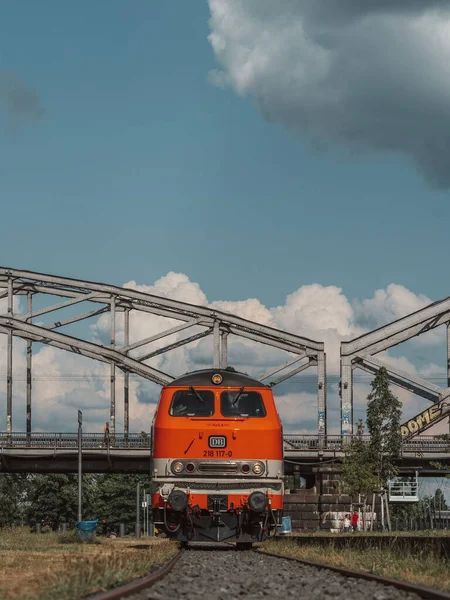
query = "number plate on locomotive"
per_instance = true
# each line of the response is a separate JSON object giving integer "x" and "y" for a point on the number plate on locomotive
{"x": 217, "y": 441}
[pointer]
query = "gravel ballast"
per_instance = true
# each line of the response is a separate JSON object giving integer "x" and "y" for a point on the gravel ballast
{"x": 219, "y": 574}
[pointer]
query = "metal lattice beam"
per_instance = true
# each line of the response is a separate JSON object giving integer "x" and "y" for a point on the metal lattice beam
{"x": 25, "y": 281}
{"x": 35, "y": 333}
{"x": 104, "y": 298}
{"x": 359, "y": 353}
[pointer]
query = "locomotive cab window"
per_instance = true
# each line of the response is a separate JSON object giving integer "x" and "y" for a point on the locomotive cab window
{"x": 192, "y": 403}
{"x": 241, "y": 403}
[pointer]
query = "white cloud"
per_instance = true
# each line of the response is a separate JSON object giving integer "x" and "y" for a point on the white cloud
{"x": 370, "y": 75}
{"x": 322, "y": 313}
{"x": 298, "y": 412}
{"x": 390, "y": 304}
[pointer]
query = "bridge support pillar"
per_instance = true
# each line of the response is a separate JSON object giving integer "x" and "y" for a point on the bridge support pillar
{"x": 224, "y": 350}
{"x": 346, "y": 394}
{"x": 126, "y": 382}
{"x": 216, "y": 344}
{"x": 322, "y": 397}
{"x": 9, "y": 362}
{"x": 448, "y": 363}
{"x": 29, "y": 380}
{"x": 324, "y": 506}
{"x": 112, "y": 409}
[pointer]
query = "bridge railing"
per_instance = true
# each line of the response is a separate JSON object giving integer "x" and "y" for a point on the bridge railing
{"x": 292, "y": 442}
{"x": 70, "y": 440}
{"x": 337, "y": 443}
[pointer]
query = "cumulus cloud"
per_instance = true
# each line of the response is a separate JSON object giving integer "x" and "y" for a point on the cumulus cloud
{"x": 298, "y": 412}
{"x": 64, "y": 382}
{"x": 388, "y": 305}
{"x": 370, "y": 75}
{"x": 392, "y": 304}
{"x": 17, "y": 99}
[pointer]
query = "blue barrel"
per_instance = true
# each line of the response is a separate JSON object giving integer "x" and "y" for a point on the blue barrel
{"x": 286, "y": 526}
{"x": 86, "y": 529}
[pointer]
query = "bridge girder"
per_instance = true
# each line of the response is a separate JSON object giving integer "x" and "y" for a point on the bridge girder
{"x": 111, "y": 299}
{"x": 359, "y": 353}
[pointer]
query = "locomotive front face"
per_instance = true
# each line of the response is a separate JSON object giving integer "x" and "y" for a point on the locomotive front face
{"x": 217, "y": 456}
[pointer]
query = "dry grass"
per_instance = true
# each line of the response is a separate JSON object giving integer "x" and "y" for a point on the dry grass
{"x": 426, "y": 569}
{"x": 47, "y": 567}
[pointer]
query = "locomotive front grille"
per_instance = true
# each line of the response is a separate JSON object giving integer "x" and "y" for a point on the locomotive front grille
{"x": 235, "y": 485}
{"x": 216, "y": 468}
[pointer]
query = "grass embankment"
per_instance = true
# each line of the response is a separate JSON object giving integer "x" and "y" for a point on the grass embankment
{"x": 54, "y": 566}
{"x": 421, "y": 568}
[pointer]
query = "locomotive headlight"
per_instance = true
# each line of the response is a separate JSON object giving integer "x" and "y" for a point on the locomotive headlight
{"x": 258, "y": 469}
{"x": 177, "y": 467}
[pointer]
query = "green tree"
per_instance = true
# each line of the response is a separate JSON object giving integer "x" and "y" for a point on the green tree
{"x": 116, "y": 498}
{"x": 384, "y": 412}
{"x": 54, "y": 498}
{"x": 439, "y": 501}
{"x": 13, "y": 498}
{"x": 359, "y": 470}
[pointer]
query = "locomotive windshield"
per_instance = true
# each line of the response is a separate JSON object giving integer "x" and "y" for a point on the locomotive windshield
{"x": 241, "y": 403}
{"x": 192, "y": 403}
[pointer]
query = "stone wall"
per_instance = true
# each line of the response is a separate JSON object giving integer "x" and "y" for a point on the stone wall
{"x": 323, "y": 507}
{"x": 303, "y": 508}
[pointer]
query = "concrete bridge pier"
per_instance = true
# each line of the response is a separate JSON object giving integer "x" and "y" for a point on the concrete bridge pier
{"x": 322, "y": 506}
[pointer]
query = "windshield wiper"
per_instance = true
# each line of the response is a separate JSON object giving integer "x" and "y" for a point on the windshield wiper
{"x": 238, "y": 396}
{"x": 197, "y": 394}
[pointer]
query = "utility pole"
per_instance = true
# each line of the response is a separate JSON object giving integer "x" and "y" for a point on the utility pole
{"x": 144, "y": 505}
{"x": 80, "y": 423}
{"x": 138, "y": 511}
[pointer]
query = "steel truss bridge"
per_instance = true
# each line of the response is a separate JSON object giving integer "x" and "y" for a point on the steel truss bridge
{"x": 29, "y": 300}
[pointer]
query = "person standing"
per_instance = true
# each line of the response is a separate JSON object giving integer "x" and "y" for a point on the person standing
{"x": 106, "y": 434}
{"x": 346, "y": 525}
{"x": 355, "y": 521}
{"x": 104, "y": 528}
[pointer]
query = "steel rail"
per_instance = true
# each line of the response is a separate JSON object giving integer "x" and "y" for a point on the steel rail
{"x": 419, "y": 590}
{"x": 138, "y": 585}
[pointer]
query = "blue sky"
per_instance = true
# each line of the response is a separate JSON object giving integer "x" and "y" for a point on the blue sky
{"x": 141, "y": 166}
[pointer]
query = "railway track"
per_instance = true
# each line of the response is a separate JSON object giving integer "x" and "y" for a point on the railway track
{"x": 221, "y": 573}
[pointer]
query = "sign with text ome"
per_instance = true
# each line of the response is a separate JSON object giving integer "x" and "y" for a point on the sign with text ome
{"x": 426, "y": 419}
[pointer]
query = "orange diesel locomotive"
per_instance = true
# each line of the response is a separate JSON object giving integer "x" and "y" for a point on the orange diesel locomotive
{"x": 218, "y": 458}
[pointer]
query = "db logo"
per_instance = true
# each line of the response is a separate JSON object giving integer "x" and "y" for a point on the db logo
{"x": 217, "y": 441}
